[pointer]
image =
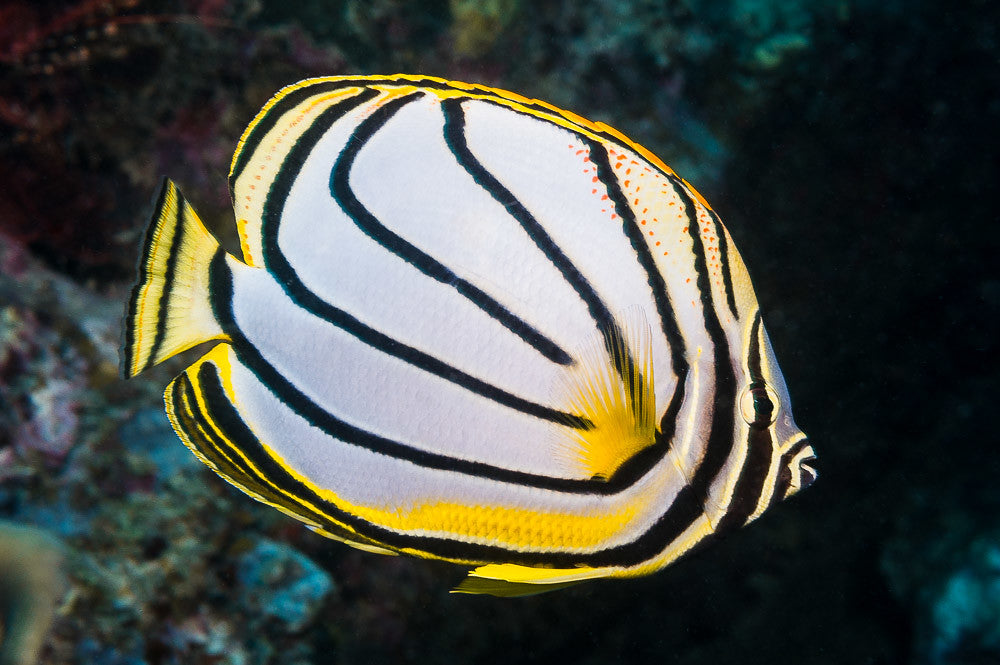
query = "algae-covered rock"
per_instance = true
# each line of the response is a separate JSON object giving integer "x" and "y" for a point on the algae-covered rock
{"x": 279, "y": 582}
{"x": 950, "y": 581}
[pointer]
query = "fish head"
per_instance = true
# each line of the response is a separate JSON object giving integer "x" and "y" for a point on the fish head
{"x": 766, "y": 410}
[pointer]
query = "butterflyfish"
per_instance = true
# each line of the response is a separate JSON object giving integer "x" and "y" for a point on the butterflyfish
{"x": 470, "y": 326}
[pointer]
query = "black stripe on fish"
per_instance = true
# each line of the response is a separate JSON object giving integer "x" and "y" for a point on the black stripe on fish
{"x": 301, "y": 405}
{"x": 128, "y": 348}
{"x": 288, "y": 279}
{"x": 614, "y": 338}
{"x": 689, "y": 504}
{"x": 668, "y": 320}
{"x": 471, "y": 89}
{"x": 760, "y": 446}
{"x": 720, "y": 440}
{"x": 267, "y": 122}
{"x": 168, "y": 280}
{"x": 785, "y": 472}
{"x": 454, "y": 134}
{"x": 197, "y": 426}
{"x": 341, "y": 191}
{"x": 683, "y": 512}
{"x": 727, "y": 275}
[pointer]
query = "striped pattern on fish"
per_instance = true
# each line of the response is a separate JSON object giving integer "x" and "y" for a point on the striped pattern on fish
{"x": 469, "y": 326}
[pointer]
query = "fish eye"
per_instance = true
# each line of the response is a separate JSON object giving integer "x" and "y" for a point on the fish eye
{"x": 759, "y": 404}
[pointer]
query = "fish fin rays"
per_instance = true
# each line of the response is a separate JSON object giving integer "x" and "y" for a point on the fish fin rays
{"x": 170, "y": 308}
{"x": 511, "y": 580}
{"x": 612, "y": 386}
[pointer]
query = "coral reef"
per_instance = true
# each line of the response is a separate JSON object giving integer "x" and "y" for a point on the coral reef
{"x": 99, "y": 98}
{"x": 277, "y": 581}
{"x": 965, "y": 617}
{"x": 942, "y": 562}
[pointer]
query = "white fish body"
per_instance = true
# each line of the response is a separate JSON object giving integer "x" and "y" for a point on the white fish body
{"x": 469, "y": 326}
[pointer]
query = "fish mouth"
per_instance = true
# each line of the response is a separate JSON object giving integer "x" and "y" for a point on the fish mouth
{"x": 807, "y": 471}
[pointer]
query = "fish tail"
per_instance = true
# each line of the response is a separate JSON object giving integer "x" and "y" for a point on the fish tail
{"x": 170, "y": 308}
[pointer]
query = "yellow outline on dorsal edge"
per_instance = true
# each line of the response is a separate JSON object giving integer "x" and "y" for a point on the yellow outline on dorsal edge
{"x": 511, "y": 99}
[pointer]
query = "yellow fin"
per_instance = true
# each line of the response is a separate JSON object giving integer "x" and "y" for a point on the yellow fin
{"x": 170, "y": 310}
{"x": 502, "y": 589}
{"x": 511, "y": 579}
{"x": 612, "y": 386}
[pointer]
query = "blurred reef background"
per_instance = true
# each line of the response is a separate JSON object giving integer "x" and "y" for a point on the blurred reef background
{"x": 852, "y": 148}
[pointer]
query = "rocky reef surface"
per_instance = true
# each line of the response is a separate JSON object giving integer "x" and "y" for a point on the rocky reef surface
{"x": 849, "y": 146}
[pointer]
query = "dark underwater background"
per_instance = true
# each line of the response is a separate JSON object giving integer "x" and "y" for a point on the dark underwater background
{"x": 851, "y": 147}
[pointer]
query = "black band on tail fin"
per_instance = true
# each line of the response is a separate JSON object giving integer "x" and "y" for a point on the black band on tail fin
{"x": 169, "y": 309}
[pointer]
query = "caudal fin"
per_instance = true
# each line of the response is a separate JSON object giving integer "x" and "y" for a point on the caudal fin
{"x": 170, "y": 309}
